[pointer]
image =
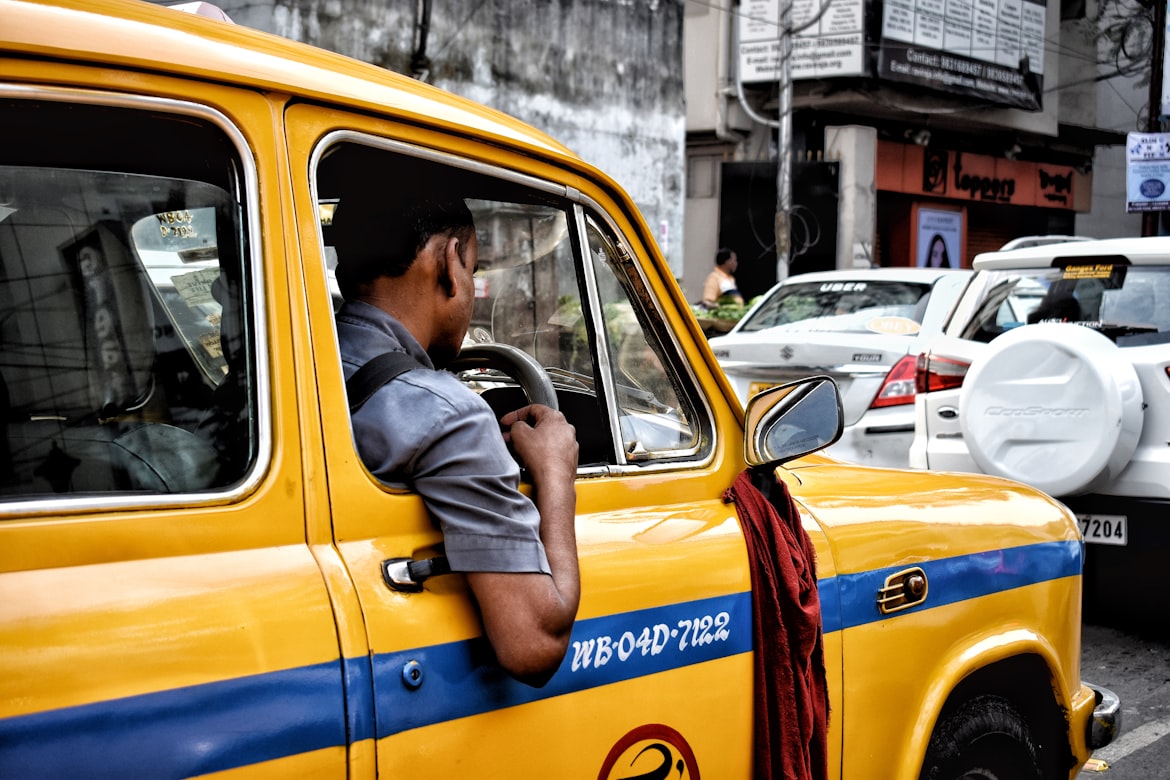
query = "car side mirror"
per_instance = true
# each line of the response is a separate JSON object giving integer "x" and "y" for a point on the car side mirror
{"x": 788, "y": 421}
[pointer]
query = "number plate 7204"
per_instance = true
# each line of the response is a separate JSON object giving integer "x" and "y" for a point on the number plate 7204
{"x": 1104, "y": 529}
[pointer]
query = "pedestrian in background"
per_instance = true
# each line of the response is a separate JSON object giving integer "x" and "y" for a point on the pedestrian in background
{"x": 721, "y": 287}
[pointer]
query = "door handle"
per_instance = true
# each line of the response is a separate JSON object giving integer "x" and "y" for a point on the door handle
{"x": 406, "y": 575}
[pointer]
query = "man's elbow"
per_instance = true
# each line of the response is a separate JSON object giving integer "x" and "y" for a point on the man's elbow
{"x": 533, "y": 663}
{"x": 536, "y": 679}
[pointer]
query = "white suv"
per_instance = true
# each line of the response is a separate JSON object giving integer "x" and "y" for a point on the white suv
{"x": 1054, "y": 370}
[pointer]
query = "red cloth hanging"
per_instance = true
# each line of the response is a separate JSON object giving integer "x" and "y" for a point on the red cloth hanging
{"x": 791, "y": 694}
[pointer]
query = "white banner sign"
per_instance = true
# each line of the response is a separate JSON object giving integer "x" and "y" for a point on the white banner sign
{"x": 1147, "y": 172}
{"x": 988, "y": 49}
{"x": 829, "y": 45}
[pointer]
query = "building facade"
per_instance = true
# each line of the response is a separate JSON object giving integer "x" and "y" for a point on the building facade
{"x": 971, "y": 122}
{"x": 894, "y": 136}
{"x": 603, "y": 77}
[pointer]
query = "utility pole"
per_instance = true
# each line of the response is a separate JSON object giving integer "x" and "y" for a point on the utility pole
{"x": 783, "y": 125}
{"x": 1152, "y": 221}
{"x": 784, "y": 144}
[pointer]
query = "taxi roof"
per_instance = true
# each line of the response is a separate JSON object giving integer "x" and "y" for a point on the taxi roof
{"x": 1149, "y": 250}
{"x": 149, "y": 37}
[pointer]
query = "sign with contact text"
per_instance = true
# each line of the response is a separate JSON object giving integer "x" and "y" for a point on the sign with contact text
{"x": 988, "y": 49}
{"x": 828, "y": 39}
{"x": 1147, "y": 172}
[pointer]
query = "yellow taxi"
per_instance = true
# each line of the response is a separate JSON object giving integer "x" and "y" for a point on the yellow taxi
{"x": 198, "y": 576}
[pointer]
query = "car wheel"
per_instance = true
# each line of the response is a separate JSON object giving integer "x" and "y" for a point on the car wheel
{"x": 1056, "y": 406}
{"x": 984, "y": 739}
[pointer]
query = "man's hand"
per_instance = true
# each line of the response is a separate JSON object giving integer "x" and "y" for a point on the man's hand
{"x": 528, "y": 617}
{"x": 543, "y": 440}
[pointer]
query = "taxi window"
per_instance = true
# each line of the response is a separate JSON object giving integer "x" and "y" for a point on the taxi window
{"x": 125, "y": 358}
{"x": 551, "y": 283}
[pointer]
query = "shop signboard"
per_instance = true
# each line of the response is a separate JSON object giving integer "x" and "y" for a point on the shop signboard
{"x": 992, "y": 50}
{"x": 975, "y": 178}
{"x": 1147, "y": 174}
{"x": 828, "y": 39}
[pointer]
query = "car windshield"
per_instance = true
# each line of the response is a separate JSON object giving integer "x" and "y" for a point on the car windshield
{"x": 1130, "y": 304}
{"x": 843, "y": 306}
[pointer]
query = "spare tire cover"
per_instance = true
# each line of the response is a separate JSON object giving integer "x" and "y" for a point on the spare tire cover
{"x": 1053, "y": 405}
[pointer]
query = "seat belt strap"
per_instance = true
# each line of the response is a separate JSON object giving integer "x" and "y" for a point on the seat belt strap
{"x": 400, "y": 573}
{"x": 374, "y": 374}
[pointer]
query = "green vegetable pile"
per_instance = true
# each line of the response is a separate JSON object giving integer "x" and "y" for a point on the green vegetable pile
{"x": 724, "y": 311}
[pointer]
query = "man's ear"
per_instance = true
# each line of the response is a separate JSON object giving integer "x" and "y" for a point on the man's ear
{"x": 449, "y": 260}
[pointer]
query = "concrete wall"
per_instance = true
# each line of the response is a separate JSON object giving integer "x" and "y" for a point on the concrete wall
{"x": 702, "y": 224}
{"x": 1120, "y": 106}
{"x": 1112, "y": 104}
{"x": 716, "y": 127}
{"x": 856, "y": 148}
{"x": 604, "y": 77}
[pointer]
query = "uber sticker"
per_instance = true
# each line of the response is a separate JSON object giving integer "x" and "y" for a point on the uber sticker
{"x": 650, "y": 752}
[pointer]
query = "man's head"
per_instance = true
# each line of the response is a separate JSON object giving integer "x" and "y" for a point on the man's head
{"x": 416, "y": 260}
{"x": 726, "y": 259}
{"x": 375, "y": 236}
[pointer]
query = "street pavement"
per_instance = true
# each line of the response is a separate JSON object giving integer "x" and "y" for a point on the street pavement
{"x": 1134, "y": 663}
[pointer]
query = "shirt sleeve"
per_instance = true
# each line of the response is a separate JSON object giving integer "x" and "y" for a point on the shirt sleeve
{"x": 430, "y": 430}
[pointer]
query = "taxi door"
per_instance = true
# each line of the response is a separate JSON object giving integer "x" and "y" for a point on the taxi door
{"x": 161, "y": 614}
{"x": 658, "y": 672}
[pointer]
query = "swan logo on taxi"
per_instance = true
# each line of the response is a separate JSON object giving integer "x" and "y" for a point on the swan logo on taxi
{"x": 650, "y": 752}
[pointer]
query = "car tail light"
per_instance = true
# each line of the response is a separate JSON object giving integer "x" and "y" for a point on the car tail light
{"x": 898, "y": 388}
{"x": 937, "y": 373}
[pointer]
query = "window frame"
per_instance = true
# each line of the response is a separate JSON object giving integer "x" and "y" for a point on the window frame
{"x": 653, "y": 316}
{"x": 702, "y": 453}
{"x": 246, "y": 186}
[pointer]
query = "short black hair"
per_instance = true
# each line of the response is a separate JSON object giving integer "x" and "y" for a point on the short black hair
{"x": 723, "y": 255}
{"x": 379, "y": 236}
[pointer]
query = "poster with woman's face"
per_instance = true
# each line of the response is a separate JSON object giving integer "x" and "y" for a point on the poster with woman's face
{"x": 939, "y": 238}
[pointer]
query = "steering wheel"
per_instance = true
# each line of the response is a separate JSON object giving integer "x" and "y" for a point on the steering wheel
{"x": 516, "y": 363}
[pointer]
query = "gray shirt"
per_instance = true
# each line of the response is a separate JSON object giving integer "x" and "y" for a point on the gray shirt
{"x": 430, "y": 431}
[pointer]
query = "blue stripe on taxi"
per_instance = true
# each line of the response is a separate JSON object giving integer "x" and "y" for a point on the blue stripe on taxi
{"x": 207, "y": 728}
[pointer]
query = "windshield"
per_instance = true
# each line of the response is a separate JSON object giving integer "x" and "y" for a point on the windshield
{"x": 844, "y": 306}
{"x": 1130, "y": 304}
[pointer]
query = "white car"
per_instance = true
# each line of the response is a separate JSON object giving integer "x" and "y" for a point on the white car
{"x": 1072, "y": 398}
{"x": 862, "y": 327}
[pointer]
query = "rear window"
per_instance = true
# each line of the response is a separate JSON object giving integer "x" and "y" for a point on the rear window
{"x": 1130, "y": 304}
{"x": 844, "y": 306}
{"x": 127, "y": 350}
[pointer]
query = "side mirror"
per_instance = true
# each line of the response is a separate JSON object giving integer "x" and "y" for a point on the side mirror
{"x": 786, "y": 422}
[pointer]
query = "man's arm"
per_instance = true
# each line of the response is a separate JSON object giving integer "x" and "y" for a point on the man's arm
{"x": 711, "y": 291}
{"x": 528, "y": 617}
